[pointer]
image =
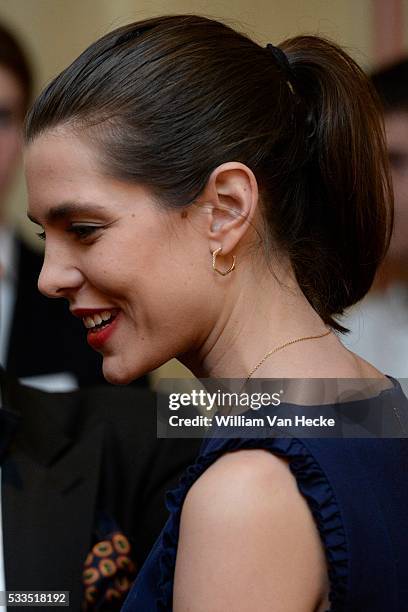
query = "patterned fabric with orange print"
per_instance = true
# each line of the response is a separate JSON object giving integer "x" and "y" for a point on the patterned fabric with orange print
{"x": 109, "y": 569}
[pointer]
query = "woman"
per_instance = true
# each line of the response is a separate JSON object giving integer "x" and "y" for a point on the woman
{"x": 207, "y": 198}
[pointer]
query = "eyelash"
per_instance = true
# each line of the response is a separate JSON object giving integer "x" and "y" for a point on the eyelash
{"x": 80, "y": 231}
{"x": 83, "y": 231}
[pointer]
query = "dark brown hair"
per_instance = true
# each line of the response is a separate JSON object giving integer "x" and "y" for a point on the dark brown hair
{"x": 13, "y": 57}
{"x": 169, "y": 99}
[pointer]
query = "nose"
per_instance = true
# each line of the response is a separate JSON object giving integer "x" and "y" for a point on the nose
{"x": 59, "y": 278}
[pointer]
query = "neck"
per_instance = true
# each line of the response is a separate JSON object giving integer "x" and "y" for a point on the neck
{"x": 259, "y": 313}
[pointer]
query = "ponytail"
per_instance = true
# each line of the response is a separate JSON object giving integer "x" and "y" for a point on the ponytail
{"x": 337, "y": 179}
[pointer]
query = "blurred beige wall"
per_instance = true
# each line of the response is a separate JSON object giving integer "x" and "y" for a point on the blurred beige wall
{"x": 55, "y": 31}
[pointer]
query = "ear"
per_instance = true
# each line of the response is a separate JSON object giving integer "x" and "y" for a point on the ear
{"x": 232, "y": 196}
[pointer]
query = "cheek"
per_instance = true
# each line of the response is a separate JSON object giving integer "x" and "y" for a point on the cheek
{"x": 175, "y": 305}
{"x": 163, "y": 281}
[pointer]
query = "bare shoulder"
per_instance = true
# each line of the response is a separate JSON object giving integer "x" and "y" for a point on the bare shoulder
{"x": 248, "y": 540}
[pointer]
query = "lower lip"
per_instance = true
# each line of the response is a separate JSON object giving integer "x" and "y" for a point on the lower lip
{"x": 97, "y": 339}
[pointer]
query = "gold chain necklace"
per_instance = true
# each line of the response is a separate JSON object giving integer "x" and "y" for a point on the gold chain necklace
{"x": 282, "y": 346}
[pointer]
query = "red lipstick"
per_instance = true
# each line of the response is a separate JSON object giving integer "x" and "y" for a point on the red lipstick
{"x": 98, "y": 335}
{"x": 97, "y": 338}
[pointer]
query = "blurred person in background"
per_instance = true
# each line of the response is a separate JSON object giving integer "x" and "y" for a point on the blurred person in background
{"x": 83, "y": 479}
{"x": 39, "y": 340}
{"x": 379, "y": 324}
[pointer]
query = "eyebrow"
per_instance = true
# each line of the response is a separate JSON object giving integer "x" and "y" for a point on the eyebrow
{"x": 60, "y": 212}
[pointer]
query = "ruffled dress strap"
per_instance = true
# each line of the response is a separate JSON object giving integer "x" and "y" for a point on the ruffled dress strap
{"x": 312, "y": 483}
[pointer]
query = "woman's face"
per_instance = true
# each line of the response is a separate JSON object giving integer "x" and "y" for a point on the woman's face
{"x": 139, "y": 276}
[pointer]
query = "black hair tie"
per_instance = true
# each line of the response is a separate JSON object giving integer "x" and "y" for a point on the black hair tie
{"x": 282, "y": 62}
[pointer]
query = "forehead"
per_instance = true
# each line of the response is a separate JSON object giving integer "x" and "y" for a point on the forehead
{"x": 58, "y": 152}
{"x": 61, "y": 167}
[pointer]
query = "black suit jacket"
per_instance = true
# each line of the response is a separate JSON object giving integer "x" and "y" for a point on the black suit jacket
{"x": 73, "y": 455}
{"x": 44, "y": 337}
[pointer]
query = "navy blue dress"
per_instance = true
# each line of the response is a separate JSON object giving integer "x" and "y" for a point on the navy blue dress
{"x": 357, "y": 491}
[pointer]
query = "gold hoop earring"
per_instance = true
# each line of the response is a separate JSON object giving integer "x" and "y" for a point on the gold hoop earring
{"x": 214, "y": 260}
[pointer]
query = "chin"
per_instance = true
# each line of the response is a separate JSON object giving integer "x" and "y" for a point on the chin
{"x": 118, "y": 374}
